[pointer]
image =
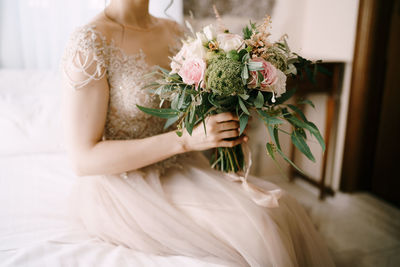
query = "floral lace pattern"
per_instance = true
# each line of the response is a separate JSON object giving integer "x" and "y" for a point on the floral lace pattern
{"x": 89, "y": 53}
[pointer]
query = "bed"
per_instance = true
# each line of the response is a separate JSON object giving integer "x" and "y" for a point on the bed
{"x": 35, "y": 179}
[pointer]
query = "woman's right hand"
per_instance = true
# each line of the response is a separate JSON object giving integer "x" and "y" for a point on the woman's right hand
{"x": 219, "y": 127}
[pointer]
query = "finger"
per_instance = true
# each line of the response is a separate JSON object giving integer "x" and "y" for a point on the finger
{"x": 228, "y": 134}
{"x": 226, "y": 116}
{"x": 229, "y": 125}
{"x": 225, "y": 143}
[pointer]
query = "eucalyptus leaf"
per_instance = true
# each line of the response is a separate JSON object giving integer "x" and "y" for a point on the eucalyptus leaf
{"x": 276, "y": 137}
{"x": 192, "y": 113}
{"x": 182, "y": 98}
{"x": 213, "y": 102}
{"x": 271, "y": 133}
{"x": 243, "y": 120}
{"x": 317, "y": 135}
{"x": 259, "y": 101}
{"x": 246, "y": 57}
{"x": 270, "y": 150}
{"x": 300, "y": 143}
{"x": 170, "y": 121}
{"x": 302, "y": 132}
{"x": 244, "y": 74}
{"x": 165, "y": 71}
{"x": 306, "y": 101}
{"x": 161, "y": 113}
{"x": 175, "y": 101}
{"x": 254, "y": 66}
{"x": 289, "y": 161}
{"x": 242, "y": 53}
{"x": 298, "y": 123}
{"x": 292, "y": 60}
{"x": 243, "y": 106}
{"x": 271, "y": 120}
{"x": 244, "y": 96}
{"x": 291, "y": 70}
{"x": 188, "y": 125}
{"x": 298, "y": 111}
{"x": 151, "y": 85}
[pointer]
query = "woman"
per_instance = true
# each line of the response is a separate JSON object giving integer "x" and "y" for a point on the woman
{"x": 148, "y": 189}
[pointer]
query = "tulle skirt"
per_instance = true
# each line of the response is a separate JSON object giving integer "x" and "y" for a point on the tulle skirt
{"x": 198, "y": 212}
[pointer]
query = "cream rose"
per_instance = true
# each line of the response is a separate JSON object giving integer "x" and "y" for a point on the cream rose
{"x": 191, "y": 49}
{"x": 229, "y": 41}
{"x": 210, "y": 31}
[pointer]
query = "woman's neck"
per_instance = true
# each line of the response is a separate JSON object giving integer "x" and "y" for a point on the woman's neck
{"x": 131, "y": 12}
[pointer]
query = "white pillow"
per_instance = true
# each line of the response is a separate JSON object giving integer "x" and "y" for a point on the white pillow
{"x": 30, "y": 112}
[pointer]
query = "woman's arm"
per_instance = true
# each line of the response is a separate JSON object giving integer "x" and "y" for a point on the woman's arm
{"x": 85, "y": 113}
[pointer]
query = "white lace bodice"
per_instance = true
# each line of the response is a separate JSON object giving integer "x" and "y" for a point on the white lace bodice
{"x": 89, "y": 53}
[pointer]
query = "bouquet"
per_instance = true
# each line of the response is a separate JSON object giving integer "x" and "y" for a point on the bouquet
{"x": 217, "y": 71}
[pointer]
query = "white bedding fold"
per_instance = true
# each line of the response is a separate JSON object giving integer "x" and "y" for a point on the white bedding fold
{"x": 34, "y": 228}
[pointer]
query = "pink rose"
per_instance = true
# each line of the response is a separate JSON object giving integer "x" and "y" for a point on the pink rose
{"x": 269, "y": 74}
{"x": 192, "y": 71}
{"x": 274, "y": 80}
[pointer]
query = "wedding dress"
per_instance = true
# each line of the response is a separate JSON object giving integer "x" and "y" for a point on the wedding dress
{"x": 179, "y": 206}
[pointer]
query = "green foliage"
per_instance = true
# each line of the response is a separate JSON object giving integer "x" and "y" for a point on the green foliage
{"x": 243, "y": 120}
{"x": 243, "y": 106}
{"x": 306, "y": 101}
{"x": 300, "y": 143}
{"x": 161, "y": 113}
{"x": 171, "y": 121}
{"x": 248, "y": 31}
{"x": 259, "y": 101}
{"x": 285, "y": 96}
{"x": 233, "y": 54}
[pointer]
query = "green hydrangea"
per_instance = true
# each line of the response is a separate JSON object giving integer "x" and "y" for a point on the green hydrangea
{"x": 223, "y": 77}
{"x": 277, "y": 58}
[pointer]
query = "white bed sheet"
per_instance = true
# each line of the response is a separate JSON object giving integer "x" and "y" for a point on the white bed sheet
{"x": 34, "y": 228}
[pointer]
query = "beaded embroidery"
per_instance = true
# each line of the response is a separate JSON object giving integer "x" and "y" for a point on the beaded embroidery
{"x": 88, "y": 50}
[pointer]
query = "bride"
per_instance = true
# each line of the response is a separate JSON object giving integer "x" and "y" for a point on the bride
{"x": 144, "y": 187}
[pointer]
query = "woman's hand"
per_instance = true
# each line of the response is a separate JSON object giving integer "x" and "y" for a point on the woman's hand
{"x": 219, "y": 127}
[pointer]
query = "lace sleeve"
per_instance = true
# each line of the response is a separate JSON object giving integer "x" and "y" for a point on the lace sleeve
{"x": 84, "y": 57}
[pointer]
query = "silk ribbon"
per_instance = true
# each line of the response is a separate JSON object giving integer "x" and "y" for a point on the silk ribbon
{"x": 262, "y": 197}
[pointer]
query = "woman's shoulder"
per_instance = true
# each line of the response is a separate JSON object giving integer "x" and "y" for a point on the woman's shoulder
{"x": 85, "y": 55}
{"x": 96, "y": 30}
